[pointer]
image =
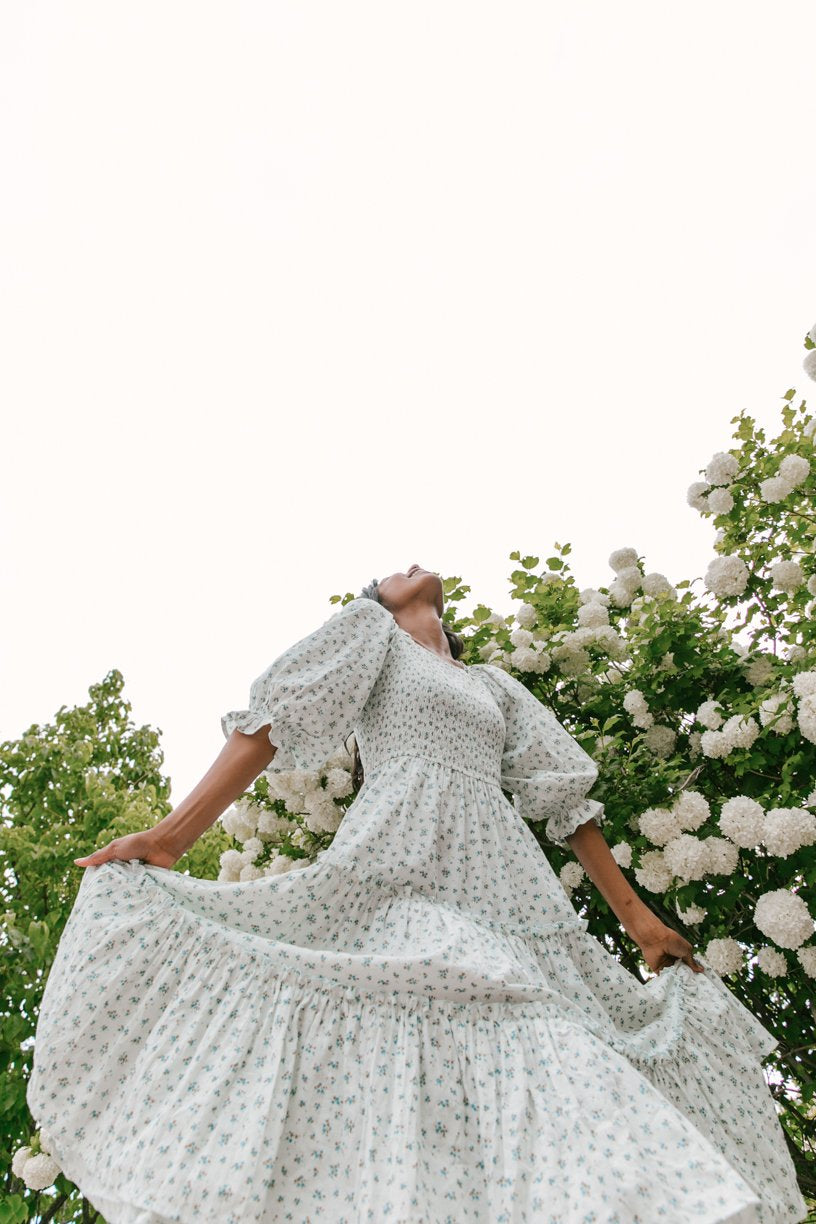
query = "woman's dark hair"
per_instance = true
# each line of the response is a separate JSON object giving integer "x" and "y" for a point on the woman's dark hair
{"x": 455, "y": 641}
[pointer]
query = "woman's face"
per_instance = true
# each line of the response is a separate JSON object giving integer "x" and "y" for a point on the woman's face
{"x": 414, "y": 585}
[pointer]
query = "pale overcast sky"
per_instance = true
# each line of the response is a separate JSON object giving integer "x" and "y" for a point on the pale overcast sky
{"x": 295, "y": 295}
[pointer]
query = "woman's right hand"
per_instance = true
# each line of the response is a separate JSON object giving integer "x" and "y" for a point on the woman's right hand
{"x": 149, "y": 847}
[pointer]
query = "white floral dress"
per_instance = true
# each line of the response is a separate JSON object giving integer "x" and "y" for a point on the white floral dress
{"x": 418, "y": 1026}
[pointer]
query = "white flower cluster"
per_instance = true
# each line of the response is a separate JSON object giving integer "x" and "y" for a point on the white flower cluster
{"x": 759, "y": 669}
{"x": 652, "y": 872}
{"x": 807, "y": 959}
{"x": 38, "y": 1170}
{"x": 774, "y": 713}
{"x": 737, "y": 732}
{"x": 787, "y": 576}
{"x": 792, "y": 471}
{"x": 622, "y": 854}
{"x": 782, "y": 830}
{"x": 772, "y": 961}
{"x": 783, "y": 917}
{"x": 529, "y": 653}
{"x": 709, "y": 715}
{"x": 691, "y": 858}
{"x": 691, "y": 915}
{"x": 571, "y": 875}
{"x": 526, "y": 616}
{"x": 724, "y": 955}
{"x": 634, "y": 703}
{"x": 727, "y": 576}
{"x": 702, "y": 496}
{"x": 804, "y": 686}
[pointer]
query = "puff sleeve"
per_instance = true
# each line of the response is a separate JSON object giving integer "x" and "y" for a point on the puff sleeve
{"x": 312, "y": 694}
{"x": 543, "y": 767}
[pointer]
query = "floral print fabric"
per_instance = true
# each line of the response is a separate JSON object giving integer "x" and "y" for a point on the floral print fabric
{"x": 418, "y": 1026}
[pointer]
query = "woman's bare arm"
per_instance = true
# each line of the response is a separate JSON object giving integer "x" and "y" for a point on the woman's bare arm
{"x": 591, "y": 848}
{"x": 237, "y": 765}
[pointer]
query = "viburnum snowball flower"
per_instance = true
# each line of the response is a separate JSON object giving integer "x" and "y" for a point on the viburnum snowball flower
{"x": 691, "y": 809}
{"x": 592, "y": 614}
{"x": 773, "y": 714}
{"x": 652, "y": 872}
{"x": 804, "y": 683}
{"x": 807, "y": 958}
{"x": 40, "y": 1171}
{"x": 696, "y": 495}
{"x": 787, "y": 575}
{"x": 338, "y": 783}
{"x": 659, "y": 825}
{"x": 772, "y": 961}
{"x": 18, "y": 1160}
{"x": 720, "y": 501}
{"x": 487, "y": 650}
{"x": 232, "y": 863}
{"x": 740, "y": 732}
{"x": 694, "y": 743}
{"x": 811, "y": 582}
{"x": 46, "y": 1143}
{"x": 524, "y": 658}
{"x": 788, "y": 829}
{"x": 759, "y": 669}
{"x": 806, "y": 717}
{"x": 571, "y": 875}
{"x": 709, "y": 715}
{"x": 691, "y": 915}
{"x": 521, "y": 637}
{"x": 237, "y": 826}
{"x": 774, "y": 489}
{"x": 526, "y": 616}
{"x": 723, "y": 855}
{"x": 280, "y": 864}
{"x": 811, "y": 799}
{"x": 714, "y": 744}
{"x": 250, "y": 872}
{"x": 622, "y": 558}
{"x": 622, "y": 854}
{"x": 591, "y": 595}
{"x": 724, "y": 955}
{"x": 660, "y": 740}
{"x": 722, "y": 468}
{"x": 687, "y": 857}
{"x": 727, "y": 576}
{"x": 794, "y": 469}
{"x": 253, "y": 846}
{"x": 783, "y": 917}
{"x": 621, "y": 594}
{"x": 655, "y": 583}
{"x": 496, "y": 618}
{"x": 743, "y": 821}
{"x": 809, "y": 427}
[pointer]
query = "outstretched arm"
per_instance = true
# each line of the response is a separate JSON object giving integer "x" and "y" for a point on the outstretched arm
{"x": 659, "y": 944}
{"x": 237, "y": 765}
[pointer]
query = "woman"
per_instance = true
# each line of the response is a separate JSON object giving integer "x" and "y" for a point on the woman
{"x": 417, "y": 1026}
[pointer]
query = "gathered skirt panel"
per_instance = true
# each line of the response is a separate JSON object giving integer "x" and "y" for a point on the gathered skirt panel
{"x": 369, "y": 1054}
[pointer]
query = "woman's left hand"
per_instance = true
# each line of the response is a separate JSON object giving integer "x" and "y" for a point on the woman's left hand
{"x": 661, "y": 946}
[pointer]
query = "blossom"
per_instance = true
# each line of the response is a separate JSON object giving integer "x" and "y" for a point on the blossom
{"x": 655, "y": 583}
{"x": 723, "y": 855}
{"x": 774, "y": 489}
{"x": 714, "y": 744}
{"x": 659, "y": 825}
{"x": 18, "y": 1160}
{"x": 250, "y": 872}
{"x": 495, "y": 618}
{"x": 691, "y": 809}
{"x": 593, "y": 614}
{"x": 740, "y": 732}
{"x": 759, "y": 669}
{"x": 742, "y": 820}
{"x": 724, "y": 955}
{"x": 788, "y": 829}
{"x": 787, "y": 576}
{"x": 690, "y": 916}
{"x": 720, "y": 501}
{"x": 623, "y": 558}
{"x": 526, "y": 616}
{"x": 794, "y": 469}
{"x": 783, "y": 917}
{"x": 591, "y": 595}
{"x": 622, "y": 854}
{"x": 772, "y": 962}
{"x": 695, "y": 495}
{"x": 773, "y": 714}
{"x": 722, "y": 468}
{"x": 521, "y": 637}
{"x": 635, "y": 705}
{"x": 280, "y": 864}
{"x": 687, "y": 857}
{"x": 807, "y": 959}
{"x": 804, "y": 683}
{"x": 232, "y": 863}
{"x": 806, "y": 717}
{"x": 709, "y": 715}
{"x": 652, "y": 872}
{"x": 727, "y": 576}
{"x": 660, "y": 739}
{"x": 40, "y": 1171}
{"x": 571, "y": 875}
{"x": 338, "y": 783}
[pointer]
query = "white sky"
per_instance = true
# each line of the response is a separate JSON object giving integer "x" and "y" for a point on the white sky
{"x": 295, "y": 295}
